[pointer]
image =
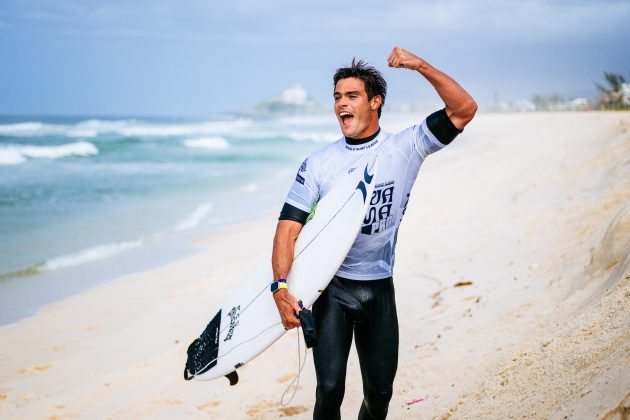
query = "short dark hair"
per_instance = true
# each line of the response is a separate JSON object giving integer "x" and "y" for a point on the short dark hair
{"x": 374, "y": 82}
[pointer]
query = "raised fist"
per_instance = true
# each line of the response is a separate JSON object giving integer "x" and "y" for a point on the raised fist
{"x": 401, "y": 58}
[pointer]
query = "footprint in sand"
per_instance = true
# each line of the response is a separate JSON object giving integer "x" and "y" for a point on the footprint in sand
{"x": 27, "y": 396}
{"x": 207, "y": 407}
{"x": 263, "y": 406}
{"x": 93, "y": 328}
{"x": 266, "y": 407}
{"x": 292, "y": 411}
{"x": 56, "y": 413}
{"x": 143, "y": 365}
{"x": 172, "y": 402}
{"x": 285, "y": 378}
{"x": 34, "y": 369}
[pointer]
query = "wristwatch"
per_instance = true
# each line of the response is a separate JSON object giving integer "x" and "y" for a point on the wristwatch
{"x": 279, "y": 284}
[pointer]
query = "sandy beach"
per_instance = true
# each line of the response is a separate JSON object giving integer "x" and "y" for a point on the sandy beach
{"x": 512, "y": 282}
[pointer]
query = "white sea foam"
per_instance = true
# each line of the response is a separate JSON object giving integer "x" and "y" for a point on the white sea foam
{"x": 184, "y": 129}
{"x": 299, "y": 136}
{"x": 21, "y": 127}
{"x": 195, "y": 217}
{"x": 316, "y": 137}
{"x": 13, "y": 154}
{"x": 211, "y": 143}
{"x": 11, "y": 157}
{"x": 126, "y": 128}
{"x": 90, "y": 254}
{"x": 82, "y": 132}
{"x": 30, "y": 128}
{"x": 316, "y": 119}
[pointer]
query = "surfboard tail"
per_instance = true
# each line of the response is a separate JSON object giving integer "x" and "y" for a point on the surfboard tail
{"x": 203, "y": 353}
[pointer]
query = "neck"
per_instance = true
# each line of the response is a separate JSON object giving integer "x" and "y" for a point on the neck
{"x": 354, "y": 142}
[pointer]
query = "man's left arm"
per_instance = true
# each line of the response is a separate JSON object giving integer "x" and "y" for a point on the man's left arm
{"x": 460, "y": 106}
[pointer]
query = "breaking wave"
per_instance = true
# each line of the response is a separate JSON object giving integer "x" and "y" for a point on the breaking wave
{"x": 125, "y": 128}
{"x": 15, "y": 154}
{"x": 194, "y": 218}
{"x": 210, "y": 143}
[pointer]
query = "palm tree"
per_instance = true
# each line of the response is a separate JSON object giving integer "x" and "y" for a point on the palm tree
{"x": 613, "y": 96}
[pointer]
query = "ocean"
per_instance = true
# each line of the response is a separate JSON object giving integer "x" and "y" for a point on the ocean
{"x": 83, "y": 200}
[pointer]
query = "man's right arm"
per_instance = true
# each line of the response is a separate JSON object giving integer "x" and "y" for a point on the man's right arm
{"x": 287, "y": 232}
{"x": 460, "y": 107}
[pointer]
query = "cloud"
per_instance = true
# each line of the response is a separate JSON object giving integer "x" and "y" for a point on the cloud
{"x": 532, "y": 20}
{"x": 330, "y": 21}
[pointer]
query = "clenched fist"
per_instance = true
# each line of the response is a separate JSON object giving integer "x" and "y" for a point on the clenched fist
{"x": 401, "y": 58}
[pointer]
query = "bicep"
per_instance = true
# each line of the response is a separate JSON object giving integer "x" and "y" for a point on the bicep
{"x": 287, "y": 230}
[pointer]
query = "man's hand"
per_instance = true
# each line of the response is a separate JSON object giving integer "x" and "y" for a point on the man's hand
{"x": 401, "y": 58}
{"x": 459, "y": 105}
{"x": 287, "y": 307}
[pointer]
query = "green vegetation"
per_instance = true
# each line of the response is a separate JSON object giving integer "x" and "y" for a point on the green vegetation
{"x": 616, "y": 96}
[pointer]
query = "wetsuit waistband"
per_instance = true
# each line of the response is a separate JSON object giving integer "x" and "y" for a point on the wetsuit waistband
{"x": 363, "y": 281}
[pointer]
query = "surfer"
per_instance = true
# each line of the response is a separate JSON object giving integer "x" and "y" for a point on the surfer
{"x": 360, "y": 299}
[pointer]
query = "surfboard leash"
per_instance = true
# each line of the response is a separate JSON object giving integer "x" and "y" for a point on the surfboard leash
{"x": 296, "y": 380}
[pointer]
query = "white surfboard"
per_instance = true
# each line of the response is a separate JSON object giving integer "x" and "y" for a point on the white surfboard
{"x": 249, "y": 322}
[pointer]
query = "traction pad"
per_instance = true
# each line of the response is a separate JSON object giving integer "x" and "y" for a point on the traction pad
{"x": 204, "y": 351}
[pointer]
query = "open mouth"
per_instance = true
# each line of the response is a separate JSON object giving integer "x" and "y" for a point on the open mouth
{"x": 345, "y": 117}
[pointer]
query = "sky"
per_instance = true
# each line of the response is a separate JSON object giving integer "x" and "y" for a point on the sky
{"x": 202, "y": 57}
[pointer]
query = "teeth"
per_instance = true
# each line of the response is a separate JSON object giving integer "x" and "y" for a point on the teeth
{"x": 345, "y": 114}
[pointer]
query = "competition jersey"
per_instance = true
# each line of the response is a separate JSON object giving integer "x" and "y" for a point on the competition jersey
{"x": 400, "y": 157}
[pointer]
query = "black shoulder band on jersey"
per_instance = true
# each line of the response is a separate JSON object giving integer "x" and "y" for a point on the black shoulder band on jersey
{"x": 290, "y": 212}
{"x": 442, "y": 127}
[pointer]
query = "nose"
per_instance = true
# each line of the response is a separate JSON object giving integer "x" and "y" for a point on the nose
{"x": 342, "y": 102}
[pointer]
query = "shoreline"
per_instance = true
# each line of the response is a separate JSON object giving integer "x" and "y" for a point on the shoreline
{"x": 512, "y": 283}
{"x": 24, "y": 295}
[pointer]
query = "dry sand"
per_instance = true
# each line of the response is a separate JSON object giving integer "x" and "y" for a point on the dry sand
{"x": 530, "y": 214}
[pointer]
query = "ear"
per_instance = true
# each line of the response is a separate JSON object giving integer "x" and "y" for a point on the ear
{"x": 376, "y": 102}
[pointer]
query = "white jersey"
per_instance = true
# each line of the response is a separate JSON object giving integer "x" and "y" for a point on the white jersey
{"x": 400, "y": 156}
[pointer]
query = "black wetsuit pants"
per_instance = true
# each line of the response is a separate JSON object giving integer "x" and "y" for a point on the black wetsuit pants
{"x": 367, "y": 308}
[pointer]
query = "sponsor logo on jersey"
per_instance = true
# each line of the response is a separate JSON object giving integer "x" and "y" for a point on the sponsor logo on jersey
{"x": 351, "y": 170}
{"x": 367, "y": 178}
{"x": 303, "y": 165}
{"x": 233, "y": 314}
{"x": 299, "y": 178}
{"x": 379, "y": 215}
{"x": 362, "y": 147}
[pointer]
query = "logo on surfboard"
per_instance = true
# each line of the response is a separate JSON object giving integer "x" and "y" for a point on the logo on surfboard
{"x": 233, "y": 314}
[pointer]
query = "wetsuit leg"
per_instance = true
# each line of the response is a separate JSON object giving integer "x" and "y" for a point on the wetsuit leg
{"x": 334, "y": 336}
{"x": 376, "y": 339}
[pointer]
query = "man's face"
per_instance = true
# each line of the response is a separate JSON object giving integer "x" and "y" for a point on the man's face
{"x": 357, "y": 116}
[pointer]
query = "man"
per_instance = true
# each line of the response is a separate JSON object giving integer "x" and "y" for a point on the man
{"x": 360, "y": 298}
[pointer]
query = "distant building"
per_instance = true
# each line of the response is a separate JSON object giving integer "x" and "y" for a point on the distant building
{"x": 579, "y": 104}
{"x": 524, "y": 105}
{"x": 294, "y": 100}
{"x": 625, "y": 91}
